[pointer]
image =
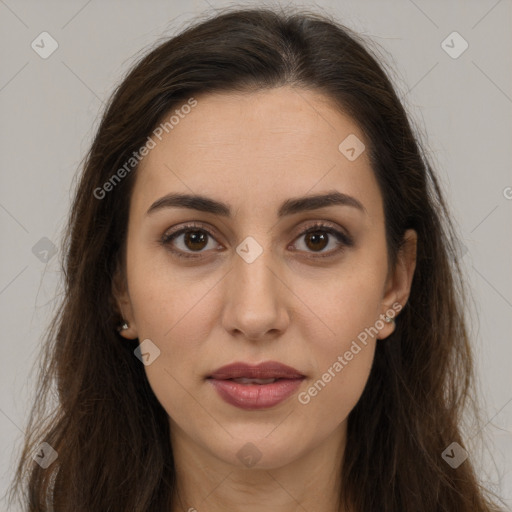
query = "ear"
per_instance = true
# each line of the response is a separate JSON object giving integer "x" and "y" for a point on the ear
{"x": 398, "y": 284}
{"x": 124, "y": 306}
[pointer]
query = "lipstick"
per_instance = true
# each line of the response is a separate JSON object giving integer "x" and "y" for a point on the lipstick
{"x": 255, "y": 386}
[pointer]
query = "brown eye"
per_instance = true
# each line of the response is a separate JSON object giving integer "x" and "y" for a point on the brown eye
{"x": 195, "y": 240}
{"x": 189, "y": 240}
{"x": 319, "y": 236}
{"x": 316, "y": 240}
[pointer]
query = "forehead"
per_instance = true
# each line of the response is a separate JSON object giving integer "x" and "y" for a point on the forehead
{"x": 251, "y": 149}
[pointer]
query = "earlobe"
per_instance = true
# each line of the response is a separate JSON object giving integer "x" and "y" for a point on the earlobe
{"x": 123, "y": 327}
{"x": 126, "y": 327}
{"x": 127, "y": 331}
{"x": 388, "y": 326}
{"x": 399, "y": 285}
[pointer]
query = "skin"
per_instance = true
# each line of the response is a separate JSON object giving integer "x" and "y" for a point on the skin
{"x": 253, "y": 151}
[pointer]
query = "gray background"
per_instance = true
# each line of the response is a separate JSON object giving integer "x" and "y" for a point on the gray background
{"x": 51, "y": 107}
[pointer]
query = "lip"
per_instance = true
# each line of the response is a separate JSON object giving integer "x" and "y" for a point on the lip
{"x": 265, "y": 370}
{"x": 255, "y": 396}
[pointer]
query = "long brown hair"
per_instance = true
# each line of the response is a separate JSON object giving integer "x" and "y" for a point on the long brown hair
{"x": 108, "y": 429}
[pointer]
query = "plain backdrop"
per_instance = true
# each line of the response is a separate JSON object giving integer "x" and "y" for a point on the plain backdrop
{"x": 50, "y": 108}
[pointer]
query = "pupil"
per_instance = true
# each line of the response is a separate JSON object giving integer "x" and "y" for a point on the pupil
{"x": 195, "y": 237}
{"x": 315, "y": 238}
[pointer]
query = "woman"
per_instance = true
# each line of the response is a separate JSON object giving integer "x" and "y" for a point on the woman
{"x": 264, "y": 306}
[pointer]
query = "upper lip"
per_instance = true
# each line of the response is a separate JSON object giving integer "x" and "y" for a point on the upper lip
{"x": 266, "y": 370}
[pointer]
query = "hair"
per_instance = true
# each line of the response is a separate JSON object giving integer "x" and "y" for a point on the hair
{"x": 107, "y": 426}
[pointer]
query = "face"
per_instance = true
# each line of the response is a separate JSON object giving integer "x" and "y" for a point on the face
{"x": 262, "y": 277}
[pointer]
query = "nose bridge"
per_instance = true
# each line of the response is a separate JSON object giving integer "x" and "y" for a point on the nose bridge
{"x": 252, "y": 277}
{"x": 254, "y": 302}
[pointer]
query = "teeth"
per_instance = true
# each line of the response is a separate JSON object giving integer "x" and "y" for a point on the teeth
{"x": 245, "y": 380}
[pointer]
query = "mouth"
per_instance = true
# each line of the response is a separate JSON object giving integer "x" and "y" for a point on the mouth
{"x": 255, "y": 387}
{"x": 246, "y": 380}
{"x": 260, "y": 373}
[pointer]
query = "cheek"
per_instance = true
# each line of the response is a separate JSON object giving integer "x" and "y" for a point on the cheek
{"x": 162, "y": 294}
{"x": 334, "y": 392}
{"x": 176, "y": 311}
{"x": 342, "y": 331}
{"x": 341, "y": 307}
{"x": 340, "y": 351}
{"x": 342, "y": 348}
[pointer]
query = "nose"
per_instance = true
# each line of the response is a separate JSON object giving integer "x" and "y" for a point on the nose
{"x": 255, "y": 305}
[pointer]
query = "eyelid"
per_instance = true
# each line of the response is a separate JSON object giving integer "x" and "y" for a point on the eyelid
{"x": 343, "y": 238}
{"x": 327, "y": 226}
{"x": 189, "y": 226}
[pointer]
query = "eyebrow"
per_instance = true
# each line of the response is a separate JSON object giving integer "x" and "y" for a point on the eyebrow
{"x": 288, "y": 207}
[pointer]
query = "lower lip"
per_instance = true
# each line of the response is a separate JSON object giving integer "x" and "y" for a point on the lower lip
{"x": 255, "y": 396}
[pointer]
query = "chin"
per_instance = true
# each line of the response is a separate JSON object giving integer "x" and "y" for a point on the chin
{"x": 253, "y": 450}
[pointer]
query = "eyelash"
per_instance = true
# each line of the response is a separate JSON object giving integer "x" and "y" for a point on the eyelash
{"x": 344, "y": 239}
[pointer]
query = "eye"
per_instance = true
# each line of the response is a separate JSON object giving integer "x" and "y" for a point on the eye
{"x": 189, "y": 239}
{"x": 319, "y": 236}
{"x": 193, "y": 238}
